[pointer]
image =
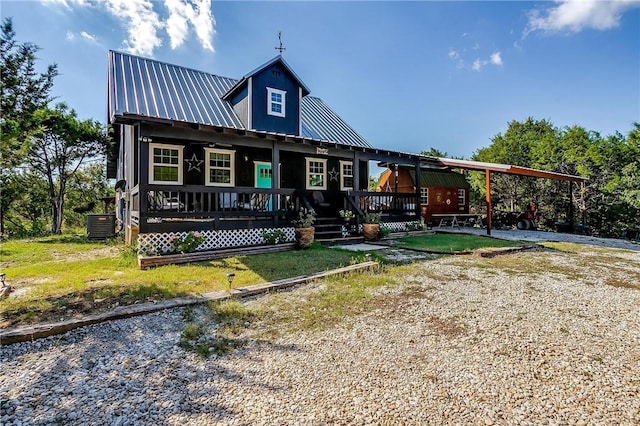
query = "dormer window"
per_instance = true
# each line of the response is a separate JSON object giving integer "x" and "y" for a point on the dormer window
{"x": 276, "y": 102}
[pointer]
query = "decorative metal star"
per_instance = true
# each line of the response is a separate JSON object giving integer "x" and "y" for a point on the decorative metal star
{"x": 333, "y": 174}
{"x": 194, "y": 163}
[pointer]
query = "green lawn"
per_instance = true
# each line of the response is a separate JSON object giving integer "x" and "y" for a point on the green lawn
{"x": 63, "y": 275}
{"x": 56, "y": 274}
{"x": 451, "y": 243}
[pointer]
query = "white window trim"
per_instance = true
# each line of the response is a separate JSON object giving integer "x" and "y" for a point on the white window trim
{"x": 464, "y": 196}
{"x": 342, "y": 175}
{"x": 232, "y": 167}
{"x": 324, "y": 174}
{"x": 180, "y": 149}
{"x": 269, "y": 103}
{"x": 426, "y": 191}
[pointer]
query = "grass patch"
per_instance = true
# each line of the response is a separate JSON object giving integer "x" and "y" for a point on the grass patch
{"x": 56, "y": 275}
{"x": 215, "y": 332}
{"x": 331, "y": 303}
{"x": 18, "y": 253}
{"x": 620, "y": 283}
{"x": 338, "y": 298}
{"x": 451, "y": 243}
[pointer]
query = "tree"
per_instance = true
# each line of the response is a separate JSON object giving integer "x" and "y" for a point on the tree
{"x": 434, "y": 152}
{"x": 84, "y": 192}
{"x": 22, "y": 92}
{"x": 523, "y": 144}
{"x": 630, "y": 180}
{"x": 59, "y": 147}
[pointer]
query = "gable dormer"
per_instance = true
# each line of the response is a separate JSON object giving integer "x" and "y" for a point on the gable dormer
{"x": 269, "y": 98}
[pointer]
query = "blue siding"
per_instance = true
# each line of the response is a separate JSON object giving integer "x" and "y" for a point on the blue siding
{"x": 275, "y": 77}
{"x": 239, "y": 96}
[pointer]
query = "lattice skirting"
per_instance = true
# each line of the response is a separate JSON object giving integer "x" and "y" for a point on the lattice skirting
{"x": 158, "y": 242}
{"x": 400, "y": 226}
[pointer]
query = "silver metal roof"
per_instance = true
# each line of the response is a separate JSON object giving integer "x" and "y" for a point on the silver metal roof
{"x": 148, "y": 88}
{"x": 155, "y": 89}
{"x": 320, "y": 122}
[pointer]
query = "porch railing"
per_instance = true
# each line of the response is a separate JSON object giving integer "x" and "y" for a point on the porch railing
{"x": 393, "y": 206}
{"x": 171, "y": 207}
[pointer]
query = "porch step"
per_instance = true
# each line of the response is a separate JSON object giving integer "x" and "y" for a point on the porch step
{"x": 328, "y": 230}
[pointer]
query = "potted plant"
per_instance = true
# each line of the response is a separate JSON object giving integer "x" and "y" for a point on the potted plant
{"x": 371, "y": 226}
{"x": 304, "y": 228}
{"x": 346, "y": 215}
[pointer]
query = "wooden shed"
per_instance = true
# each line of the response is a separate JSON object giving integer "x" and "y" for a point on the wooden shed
{"x": 441, "y": 190}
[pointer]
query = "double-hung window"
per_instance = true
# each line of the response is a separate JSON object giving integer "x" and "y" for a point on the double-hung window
{"x": 316, "y": 173}
{"x": 424, "y": 196}
{"x": 276, "y": 102}
{"x": 346, "y": 175}
{"x": 165, "y": 164}
{"x": 462, "y": 196}
{"x": 219, "y": 167}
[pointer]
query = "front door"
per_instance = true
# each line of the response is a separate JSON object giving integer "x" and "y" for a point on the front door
{"x": 263, "y": 177}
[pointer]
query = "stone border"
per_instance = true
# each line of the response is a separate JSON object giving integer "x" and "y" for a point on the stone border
{"x": 24, "y": 334}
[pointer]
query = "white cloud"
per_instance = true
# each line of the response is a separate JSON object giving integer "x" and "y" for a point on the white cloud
{"x": 496, "y": 58}
{"x": 453, "y": 54}
{"x": 185, "y": 12}
{"x": 576, "y": 15}
{"x": 66, "y": 3}
{"x": 87, "y": 36}
{"x": 476, "y": 46}
{"x": 143, "y": 24}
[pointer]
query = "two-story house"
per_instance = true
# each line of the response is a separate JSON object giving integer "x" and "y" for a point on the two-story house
{"x": 231, "y": 158}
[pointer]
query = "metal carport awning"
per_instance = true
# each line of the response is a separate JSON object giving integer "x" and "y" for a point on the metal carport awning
{"x": 510, "y": 170}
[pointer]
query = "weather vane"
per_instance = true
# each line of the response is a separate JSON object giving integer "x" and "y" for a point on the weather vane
{"x": 280, "y": 48}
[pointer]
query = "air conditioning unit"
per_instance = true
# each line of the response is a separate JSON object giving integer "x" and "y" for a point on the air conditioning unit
{"x": 101, "y": 226}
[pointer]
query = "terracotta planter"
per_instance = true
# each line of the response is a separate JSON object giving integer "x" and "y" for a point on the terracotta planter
{"x": 370, "y": 231}
{"x": 304, "y": 237}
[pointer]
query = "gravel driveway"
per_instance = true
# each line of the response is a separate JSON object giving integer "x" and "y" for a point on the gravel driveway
{"x": 462, "y": 340}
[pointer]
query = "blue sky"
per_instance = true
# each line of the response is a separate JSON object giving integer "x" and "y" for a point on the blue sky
{"x": 406, "y": 75}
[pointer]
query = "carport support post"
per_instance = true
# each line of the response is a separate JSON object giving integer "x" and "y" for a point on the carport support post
{"x": 487, "y": 178}
{"x": 418, "y": 208}
{"x": 571, "y": 206}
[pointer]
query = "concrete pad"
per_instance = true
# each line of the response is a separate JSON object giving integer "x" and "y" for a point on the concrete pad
{"x": 542, "y": 236}
{"x": 404, "y": 256}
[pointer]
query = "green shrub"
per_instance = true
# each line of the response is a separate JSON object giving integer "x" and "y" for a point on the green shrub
{"x": 274, "y": 236}
{"x": 414, "y": 226}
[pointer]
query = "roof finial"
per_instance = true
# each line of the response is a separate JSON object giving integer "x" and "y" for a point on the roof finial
{"x": 280, "y": 48}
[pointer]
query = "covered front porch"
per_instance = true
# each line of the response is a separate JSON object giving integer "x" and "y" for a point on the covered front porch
{"x": 256, "y": 197}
